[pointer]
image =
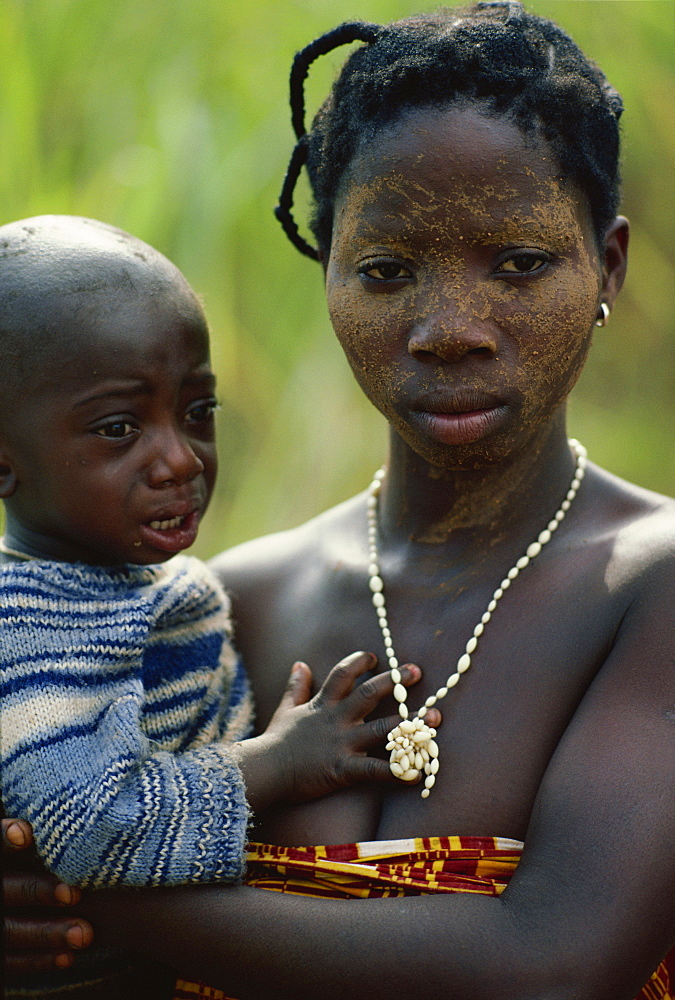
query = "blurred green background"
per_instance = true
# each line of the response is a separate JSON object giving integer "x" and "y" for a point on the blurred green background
{"x": 170, "y": 119}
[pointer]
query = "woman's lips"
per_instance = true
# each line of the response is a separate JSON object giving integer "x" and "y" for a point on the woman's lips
{"x": 461, "y": 426}
{"x": 173, "y": 537}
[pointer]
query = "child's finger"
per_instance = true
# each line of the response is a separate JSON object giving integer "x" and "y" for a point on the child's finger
{"x": 343, "y": 676}
{"x": 359, "y": 769}
{"x": 373, "y": 733}
{"x": 433, "y": 718}
{"x": 299, "y": 686}
{"x": 365, "y": 698}
{"x": 17, "y": 834}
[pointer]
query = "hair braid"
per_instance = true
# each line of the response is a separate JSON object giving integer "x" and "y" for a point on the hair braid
{"x": 283, "y": 210}
{"x": 350, "y": 31}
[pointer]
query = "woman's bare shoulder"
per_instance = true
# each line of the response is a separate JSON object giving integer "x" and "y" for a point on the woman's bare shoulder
{"x": 276, "y": 559}
{"x": 639, "y": 524}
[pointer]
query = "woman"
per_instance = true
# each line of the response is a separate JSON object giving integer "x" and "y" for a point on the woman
{"x": 464, "y": 170}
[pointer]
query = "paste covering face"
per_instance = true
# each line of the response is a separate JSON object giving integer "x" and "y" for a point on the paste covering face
{"x": 463, "y": 282}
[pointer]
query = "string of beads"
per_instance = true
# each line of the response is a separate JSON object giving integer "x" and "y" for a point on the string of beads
{"x": 411, "y": 744}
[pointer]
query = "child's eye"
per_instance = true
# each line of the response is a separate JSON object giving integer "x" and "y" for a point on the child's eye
{"x": 523, "y": 263}
{"x": 384, "y": 270}
{"x": 115, "y": 429}
{"x": 202, "y": 412}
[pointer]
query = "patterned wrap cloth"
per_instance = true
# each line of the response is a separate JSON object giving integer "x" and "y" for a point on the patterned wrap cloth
{"x": 394, "y": 868}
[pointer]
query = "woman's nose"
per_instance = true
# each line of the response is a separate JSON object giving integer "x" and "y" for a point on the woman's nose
{"x": 175, "y": 461}
{"x": 450, "y": 337}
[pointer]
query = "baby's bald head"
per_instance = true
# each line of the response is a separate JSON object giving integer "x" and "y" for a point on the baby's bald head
{"x": 57, "y": 274}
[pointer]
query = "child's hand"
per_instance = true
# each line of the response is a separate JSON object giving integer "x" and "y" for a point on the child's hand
{"x": 314, "y": 746}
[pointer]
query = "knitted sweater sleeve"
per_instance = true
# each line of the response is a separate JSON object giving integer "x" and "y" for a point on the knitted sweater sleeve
{"x": 120, "y": 693}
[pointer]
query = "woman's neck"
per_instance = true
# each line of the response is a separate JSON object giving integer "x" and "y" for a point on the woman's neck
{"x": 424, "y": 504}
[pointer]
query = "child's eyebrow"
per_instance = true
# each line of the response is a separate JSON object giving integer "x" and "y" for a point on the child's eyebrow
{"x": 201, "y": 378}
{"x": 140, "y": 388}
{"x": 137, "y": 389}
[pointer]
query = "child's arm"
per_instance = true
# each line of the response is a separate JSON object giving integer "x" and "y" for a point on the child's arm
{"x": 108, "y": 809}
{"x": 104, "y": 680}
{"x": 118, "y": 716}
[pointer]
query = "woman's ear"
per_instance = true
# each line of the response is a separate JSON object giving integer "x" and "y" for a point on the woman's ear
{"x": 615, "y": 260}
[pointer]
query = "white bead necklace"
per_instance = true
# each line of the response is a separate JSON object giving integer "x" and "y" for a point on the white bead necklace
{"x": 411, "y": 743}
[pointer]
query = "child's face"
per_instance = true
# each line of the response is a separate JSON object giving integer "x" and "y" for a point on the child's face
{"x": 114, "y": 449}
{"x": 463, "y": 282}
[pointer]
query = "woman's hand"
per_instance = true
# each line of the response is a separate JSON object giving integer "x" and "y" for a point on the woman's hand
{"x": 36, "y": 936}
{"x": 313, "y": 746}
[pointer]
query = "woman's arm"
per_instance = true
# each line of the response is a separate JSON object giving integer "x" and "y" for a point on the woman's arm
{"x": 588, "y": 915}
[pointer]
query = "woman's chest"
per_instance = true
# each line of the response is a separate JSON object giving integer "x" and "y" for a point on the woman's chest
{"x": 502, "y": 720}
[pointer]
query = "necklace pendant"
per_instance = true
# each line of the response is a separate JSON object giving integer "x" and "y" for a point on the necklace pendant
{"x": 413, "y": 751}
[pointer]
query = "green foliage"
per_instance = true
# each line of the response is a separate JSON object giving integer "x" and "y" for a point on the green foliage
{"x": 170, "y": 120}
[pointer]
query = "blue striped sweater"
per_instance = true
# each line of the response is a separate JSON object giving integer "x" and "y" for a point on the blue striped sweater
{"x": 120, "y": 693}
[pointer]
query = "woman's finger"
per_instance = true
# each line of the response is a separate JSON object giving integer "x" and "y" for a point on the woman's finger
{"x": 49, "y": 937}
{"x": 18, "y": 965}
{"x": 16, "y": 835}
{"x": 21, "y": 889}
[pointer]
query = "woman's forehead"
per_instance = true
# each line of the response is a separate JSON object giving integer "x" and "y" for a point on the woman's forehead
{"x": 457, "y": 167}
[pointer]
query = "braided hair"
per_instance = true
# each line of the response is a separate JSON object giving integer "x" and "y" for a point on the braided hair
{"x": 515, "y": 63}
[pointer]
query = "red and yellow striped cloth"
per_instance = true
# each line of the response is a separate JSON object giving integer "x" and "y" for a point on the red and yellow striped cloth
{"x": 394, "y": 868}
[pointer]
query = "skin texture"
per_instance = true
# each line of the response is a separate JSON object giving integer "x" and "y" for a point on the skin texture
{"x": 561, "y": 734}
{"x": 462, "y": 278}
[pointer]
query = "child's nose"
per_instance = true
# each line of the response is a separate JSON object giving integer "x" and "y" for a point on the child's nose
{"x": 450, "y": 337}
{"x": 176, "y": 462}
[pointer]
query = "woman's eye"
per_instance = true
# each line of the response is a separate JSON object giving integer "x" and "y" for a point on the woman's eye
{"x": 202, "y": 412}
{"x": 116, "y": 429}
{"x": 522, "y": 263}
{"x": 385, "y": 271}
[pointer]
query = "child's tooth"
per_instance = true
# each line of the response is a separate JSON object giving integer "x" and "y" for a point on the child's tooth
{"x": 172, "y": 522}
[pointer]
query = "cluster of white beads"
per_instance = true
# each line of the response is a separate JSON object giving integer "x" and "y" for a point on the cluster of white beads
{"x": 413, "y": 749}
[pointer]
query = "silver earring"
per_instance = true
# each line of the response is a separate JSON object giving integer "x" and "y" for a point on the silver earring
{"x": 602, "y": 320}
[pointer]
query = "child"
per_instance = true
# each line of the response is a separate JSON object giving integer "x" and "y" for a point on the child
{"x": 123, "y": 701}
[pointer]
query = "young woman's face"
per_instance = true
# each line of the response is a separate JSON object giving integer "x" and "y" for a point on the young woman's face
{"x": 463, "y": 282}
{"x": 114, "y": 451}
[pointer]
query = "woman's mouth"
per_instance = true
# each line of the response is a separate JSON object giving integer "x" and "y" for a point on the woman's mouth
{"x": 461, "y": 420}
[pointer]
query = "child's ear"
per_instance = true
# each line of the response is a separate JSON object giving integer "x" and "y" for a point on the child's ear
{"x": 615, "y": 260}
{"x": 8, "y": 480}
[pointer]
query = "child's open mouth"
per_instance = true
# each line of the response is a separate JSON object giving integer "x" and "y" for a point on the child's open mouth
{"x": 171, "y": 534}
{"x": 173, "y": 522}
